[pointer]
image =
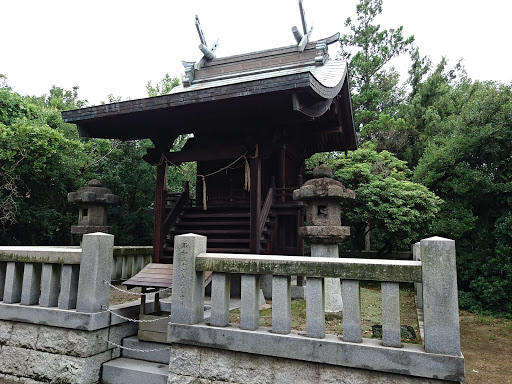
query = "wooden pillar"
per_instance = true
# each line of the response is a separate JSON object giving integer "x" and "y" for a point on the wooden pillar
{"x": 255, "y": 205}
{"x": 161, "y": 192}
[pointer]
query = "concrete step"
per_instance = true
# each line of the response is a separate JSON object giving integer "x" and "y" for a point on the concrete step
{"x": 162, "y": 357}
{"x": 132, "y": 371}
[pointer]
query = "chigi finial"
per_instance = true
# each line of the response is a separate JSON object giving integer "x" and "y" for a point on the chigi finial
{"x": 208, "y": 55}
{"x": 302, "y": 40}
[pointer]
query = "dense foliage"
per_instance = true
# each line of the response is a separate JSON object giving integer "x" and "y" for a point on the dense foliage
{"x": 388, "y": 205}
{"x": 41, "y": 161}
{"x": 455, "y": 135}
{"x": 469, "y": 164}
{"x": 376, "y": 95}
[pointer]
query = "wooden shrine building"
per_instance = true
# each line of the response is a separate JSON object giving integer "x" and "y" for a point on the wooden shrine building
{"x": 252, "y": 119}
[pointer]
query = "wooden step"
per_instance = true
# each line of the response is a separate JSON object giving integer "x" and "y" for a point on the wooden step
{"x": 182, "y": 223}
{"x": 228, "y": 250}
{"x": 235, "y": 241}
{"x": 222, "y": 207}
{"x": 188, "y": 215}
{"x": 225, "y": 232}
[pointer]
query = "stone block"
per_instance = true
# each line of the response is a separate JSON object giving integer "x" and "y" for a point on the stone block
{"x": 128, "y": 371}
{"x": 5, "y": 331}
{"x": 50, "y": 285}
{"x": 95, "y": 268}
{"x": 289, "y": 372}
{"x": 69, "y": 286}
{"x": 16, "y": 379}
{"x": 13, "y": 282}
{"x": 250, "y": 306}
{"x": 119, "y": 332}
{"x": 221, "y": 286}
{"x": 216, "y": 364}
{"x": 281, "y": 304}
{"x": 24, "y": 335}
{"x": 162, "y": 355}
{"x": 253, "y": 369}
{"x": 179, "y": 379}
{"x": 188, "y": 284}
{"x": 333, "y": 299}
{"x": 31, "y": 284}
{"x": 56, "y": 317}
{"x": 185, "y": 360}
{"x": 129, "y": 265}
{"x": 3, "y": 267}
{"x": 117, "y": 268}
{"x": 266, "y": 286}
{"x": 418, "y": 287}
{"x": 72, "y": 342}
{"x": 440, "y": 296}
{"x": 52, "y": 367}
{"x": 391, "y": 314}
{"x": 352, "y": 331}
{"x": 315, "y": 307}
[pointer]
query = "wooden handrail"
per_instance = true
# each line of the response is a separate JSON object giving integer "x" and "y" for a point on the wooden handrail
{"x": 176, "y": 209}
{"x": 265, "y": 210}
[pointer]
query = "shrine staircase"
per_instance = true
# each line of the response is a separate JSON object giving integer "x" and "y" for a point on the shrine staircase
{"x": 227, "y": 229}
{"x": 227, "y": 226}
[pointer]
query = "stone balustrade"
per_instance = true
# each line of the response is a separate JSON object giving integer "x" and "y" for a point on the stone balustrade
{"x": 54, "y": 325}
{"x": 438, "y": 358}
{"x": 65, "y": 286}
{"x": 129, "y": 260}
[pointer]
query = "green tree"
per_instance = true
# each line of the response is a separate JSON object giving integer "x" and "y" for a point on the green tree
{"x": 431, "y": 101}
{"x": 374, "y": 87}
{"x": 396, "y": 211}
{"x": 41, "y": 160}
{"x": 44, "y": 166}
{"x": 163, "y": 87}
{"x": 60, "y": 99}
{"x": 468, "y": 164}
{"x": 3, "y": 82}
{"x": 133, "y": 180}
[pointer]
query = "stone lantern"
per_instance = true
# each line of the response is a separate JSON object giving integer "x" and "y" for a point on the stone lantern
{"x": 92, "y": 208}
{"x": 323, "y": 228}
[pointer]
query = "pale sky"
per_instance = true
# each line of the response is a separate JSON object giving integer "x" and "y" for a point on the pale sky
{"x": 115, "y": 47}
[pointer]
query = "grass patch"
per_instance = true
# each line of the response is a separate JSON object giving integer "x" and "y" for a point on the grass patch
{"x": 371, "y": 313}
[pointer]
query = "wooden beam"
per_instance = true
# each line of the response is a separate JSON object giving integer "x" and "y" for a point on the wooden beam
{"x": 202, "y": 154}
{"x": 255, "y": 205}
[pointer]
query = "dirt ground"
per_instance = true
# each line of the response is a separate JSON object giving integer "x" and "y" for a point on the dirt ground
{"x": 487, "y": 349}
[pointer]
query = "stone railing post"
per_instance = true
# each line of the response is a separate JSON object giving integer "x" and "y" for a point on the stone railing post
{"x": 188, "y": 284}
{"x": 95, "y": 269}
{"x": 440, "y": 297}
{"x": 418, "y": 287}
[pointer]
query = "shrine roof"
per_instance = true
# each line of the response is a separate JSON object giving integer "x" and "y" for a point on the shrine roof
{"x": 281, "y": 87}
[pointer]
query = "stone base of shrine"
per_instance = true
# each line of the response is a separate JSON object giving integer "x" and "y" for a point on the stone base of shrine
{"x": 33, "y": 353}
{"x": 191, "y": 364}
